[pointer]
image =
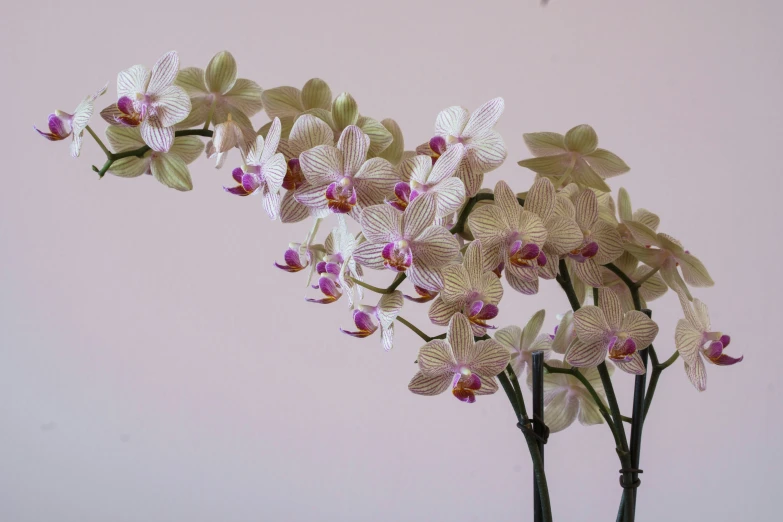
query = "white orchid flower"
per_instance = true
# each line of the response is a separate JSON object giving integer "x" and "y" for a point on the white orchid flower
{"x": 469, "y": 367}
{"x": 169, "y": 168}
{"x": 607, "y": 330}
{"x": 263, "y": 171}
{"x": 484, "y": 147}
{"x": 150, "y": 100}
{"x": 407, "y": 242}
{"x": 216, "y": 92}
{"x": 340, "y": 180}
{"x": 696, "y": 342}
{"x": 468, "y": 288}
{"x": 522, "y": 342}
{"x": 574, "y": 157}
{"x": 385, "y": 312}
{"x": 420, "y": 176}
{"x": 566, "y": 398}
{"x": 62, "y": 124}
{"x": 307, "y": 133}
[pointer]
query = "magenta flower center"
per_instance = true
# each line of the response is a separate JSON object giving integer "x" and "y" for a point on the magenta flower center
{"x": 525, "y": 254}
{"x": 397, "y": 256}
{"x": 341, "y": 196}
{"x": 588, "y": 250}
{"x": 465, "y": 385}
{"x": 621, "y": 348}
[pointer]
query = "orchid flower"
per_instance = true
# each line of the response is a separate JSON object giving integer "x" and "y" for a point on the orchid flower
{"x": 607, "y": 330}
{"x": 661, "y": 251}
{"x": 340, "y": 180}
{"x": 263, "y": 171}
{"x": 150, "y": 100}
{"x": 516, "y": 237}
{"x": 484, "y": 147}
{"x": 696, "y": 342}
{"x": 565, "y": 333}
{"x": 652, "y": 287}
{"x": 407, "y": 242}
{"x": 307, "y": 132}
{"x": 522, "y": 342}
{"x": 395, "y": 152}
{"x": 316, "y": 98}
{"x": 216, "y": 92}
{"x": 468, "y": 288}
{"x": 169, "y": 168}
{"x": 420, "y": 176}
{"x": 336, "y": 268}
{"x": 288, "y": 103}
{"x": 574, "y": 157}
{"x": 385, "y": 312}
{"x": 467, "y": 366}
{"x": 601, "y": 243}
{"x": 566, "y": 398}
{"x": 62, "y": 124}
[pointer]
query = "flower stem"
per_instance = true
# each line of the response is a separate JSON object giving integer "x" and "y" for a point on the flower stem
{"x": 388, "y": 290}
{"x": 632, "y": 287}
{"x": 111, "y": 157}
{"x": 657, "y": 369}
{"x": 564, "y": 279}
{"x": 415, "y": 330}
{"x": 99, "y": 141}
{"x": 518, "y": 404}
{"x": 459, "y": 227}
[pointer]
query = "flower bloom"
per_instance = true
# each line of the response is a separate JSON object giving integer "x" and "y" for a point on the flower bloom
{"x": 574, "y": 157}
{"x": 600, "y": 244}
{"x": 169, "y": 168}
{"x": 263, "y": 171}
{"x": 407, "y": 242}
{"x": 607, "y": 330}
{"x": 420, "y": 176}
{"x": 666, "y": 253}
{"x": 336, "y": 266}
{"x": 696, "y": 342}
{"x": 516, "y": 237}
{"x": 340, "y": 180}
{"x": 484, "y": 147}
{"x": 467, "y": 366}
{"x": 150, "y": 100}
{"x": 307, "y": 132}
{"x": 61, "y": 124}
{"x": 288, "y": 103}
{"x": 216, "y": 92}
{"x": 522, "y": 342}
{"x": 566, "y": 398}
{"x": 385, "y": 312}
{"x": 469, "y": 289}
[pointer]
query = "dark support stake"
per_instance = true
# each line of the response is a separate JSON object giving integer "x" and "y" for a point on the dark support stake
{"x": 638, "y": 419}
{"x": 537, "y": 367}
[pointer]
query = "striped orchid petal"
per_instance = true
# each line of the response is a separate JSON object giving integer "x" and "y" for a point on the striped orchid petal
{"x": 451, "y": 121}
{"x": 484, "y": 118}
{"x": 419, "y": 215}
{"x": 353, "y": 144}
{"x": 381, "y": 224}
{"x": 221, "y": 73}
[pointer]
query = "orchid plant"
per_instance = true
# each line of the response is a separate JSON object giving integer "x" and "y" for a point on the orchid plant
{"x": 423, "y": 218}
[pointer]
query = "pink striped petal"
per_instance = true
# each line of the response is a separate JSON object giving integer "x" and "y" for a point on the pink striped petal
{"x": 354, "y": 145}
{"x": 164, "y": 73}
{"x": 484, "y": 118}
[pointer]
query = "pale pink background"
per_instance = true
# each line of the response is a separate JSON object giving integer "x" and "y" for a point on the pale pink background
{"x": 155, "y": 367}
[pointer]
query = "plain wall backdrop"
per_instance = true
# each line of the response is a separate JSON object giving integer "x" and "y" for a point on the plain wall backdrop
{"x": 155, "y": 366}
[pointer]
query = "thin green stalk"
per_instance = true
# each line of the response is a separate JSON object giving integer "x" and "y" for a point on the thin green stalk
{"x": 517, "y": 403}
{"x": 564, "y": 279}
{"x": 388, "y": 290}
{"x": 111, "y": 157}
{"x": 633, "y": 287}
{"x": 98, "y": 141}
{"x": 459, "y": 227}
{"x": 657, "y": 369}
{"x": 415, "y": 330}
{"x": 622, "y": 450}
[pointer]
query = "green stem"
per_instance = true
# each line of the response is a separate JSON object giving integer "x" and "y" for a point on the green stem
{"x": 633, "y": 287}
{"x": 418, "y": 332}
{"x": 657, "y": 369}
{"x": 459, "y": 227}
{"x": 98, "y": 141}
{"x": 388, "y": 290}
{"x": 111, "y": 157}
{"x": 622, "y": 450}
{"x": 564, "y": 279}
{"x": 518, "y": 404}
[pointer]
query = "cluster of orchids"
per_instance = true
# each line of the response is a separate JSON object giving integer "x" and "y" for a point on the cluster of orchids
{"x": 423, "y": 216}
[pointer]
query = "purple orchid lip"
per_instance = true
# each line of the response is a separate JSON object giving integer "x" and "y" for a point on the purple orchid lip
{"x": 293, "y": 178}
{"x": 464, "y": 387}
{"x": 424, "y": 295}
{"x": 59, "y": 128}
{"x": 725, "y": 340}
{"x": 621, "y": 351}
{"x": 520, "y": 253}
{"x": 438, "y": 145}
{"x": 341, "y": 196}
{"x": 397, "y": 256}
{"x": 293, "y": 262}
{"x": 364, "y": 325}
